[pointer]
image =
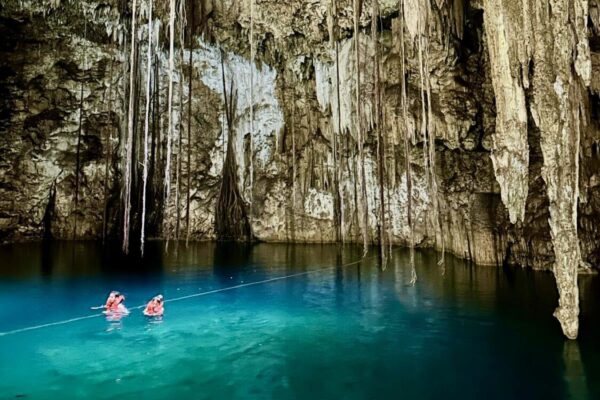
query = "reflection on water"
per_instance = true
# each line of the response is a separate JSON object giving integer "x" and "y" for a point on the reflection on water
{"x": 356, "y": 331}
{"x": 575, "y": 376}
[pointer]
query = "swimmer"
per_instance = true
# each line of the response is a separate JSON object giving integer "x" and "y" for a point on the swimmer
{"x": 155, "y": 307}
{"x": 116, "y": 305}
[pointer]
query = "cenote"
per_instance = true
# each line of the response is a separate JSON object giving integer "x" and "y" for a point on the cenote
{"x": 330, "y": 328}
{"x": 194, "y": 149}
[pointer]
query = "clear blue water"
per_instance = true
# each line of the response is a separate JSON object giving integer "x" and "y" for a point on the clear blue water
{"x": 355, "y": 332}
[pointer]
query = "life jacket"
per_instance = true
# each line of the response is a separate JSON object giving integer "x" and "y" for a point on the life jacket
{"x": 109, "y": 302}
{"x": 149, "y": 307}
{"x": 154, "y": 307}
{"x": 114, "y": 306}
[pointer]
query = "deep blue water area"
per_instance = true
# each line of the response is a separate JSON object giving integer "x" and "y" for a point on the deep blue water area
{"x": 295, "y": 322}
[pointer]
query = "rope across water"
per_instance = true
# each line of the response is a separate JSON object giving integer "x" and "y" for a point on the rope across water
{"x": 190, "y": 296}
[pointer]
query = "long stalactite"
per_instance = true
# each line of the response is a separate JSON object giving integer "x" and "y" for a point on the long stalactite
{"x": 556, "y": 42}
{"x": 561, "y": 119}
{"x": 510, "y": 151}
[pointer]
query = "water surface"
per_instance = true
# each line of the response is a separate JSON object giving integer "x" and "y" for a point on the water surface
{"x": 327, "y": 332}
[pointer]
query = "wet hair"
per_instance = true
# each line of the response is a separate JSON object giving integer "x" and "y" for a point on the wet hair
{"x": 156, "y": 298}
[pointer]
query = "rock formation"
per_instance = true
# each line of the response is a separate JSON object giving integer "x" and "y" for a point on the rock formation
{"x": 475, "y": 119}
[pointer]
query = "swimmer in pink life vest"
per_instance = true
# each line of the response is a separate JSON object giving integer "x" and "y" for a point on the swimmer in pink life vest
{"x": 155, "y": 307}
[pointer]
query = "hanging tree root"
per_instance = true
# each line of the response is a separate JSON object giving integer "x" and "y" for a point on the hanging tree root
{"x": 378, "y": 117}
{"x": 337, "y": 198}
{"x": 357, "y": 5}
{"x": 231, "y": 217}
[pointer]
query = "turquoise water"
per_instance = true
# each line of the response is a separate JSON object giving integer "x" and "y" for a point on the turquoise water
{"x": 354, "y": 332}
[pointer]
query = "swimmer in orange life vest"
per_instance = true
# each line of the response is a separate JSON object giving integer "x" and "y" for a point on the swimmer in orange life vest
{"x": 114, "y": 304}
{"x": 155, "y": 307}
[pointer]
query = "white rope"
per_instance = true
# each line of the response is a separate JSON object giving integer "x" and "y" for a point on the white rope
{"x": 31, "y": 328}
{"x": 67, "y": 321}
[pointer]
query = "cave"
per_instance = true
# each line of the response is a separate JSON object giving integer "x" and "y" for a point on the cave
{"x": 432, "y": 142}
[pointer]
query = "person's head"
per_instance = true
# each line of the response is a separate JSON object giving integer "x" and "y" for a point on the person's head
{"x": 114, "y": 293}
{"x": 159, "y": 298}
{"x": 119, "y": 298}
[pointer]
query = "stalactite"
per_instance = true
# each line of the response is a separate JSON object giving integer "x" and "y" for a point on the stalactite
{"x": 510, "y": 148}
{"x": 359, "y": 133}
{"x": 337, "y": 197}
{"x": 378, "y": 118}
{"x": 555, "y": 41}
{"x": 191, "y": 31}
{"x": 146, "y": 125}
{"x": 560, "y": 99}
{"x": 129, "y": 139}
{"x": 79, "y": 130}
